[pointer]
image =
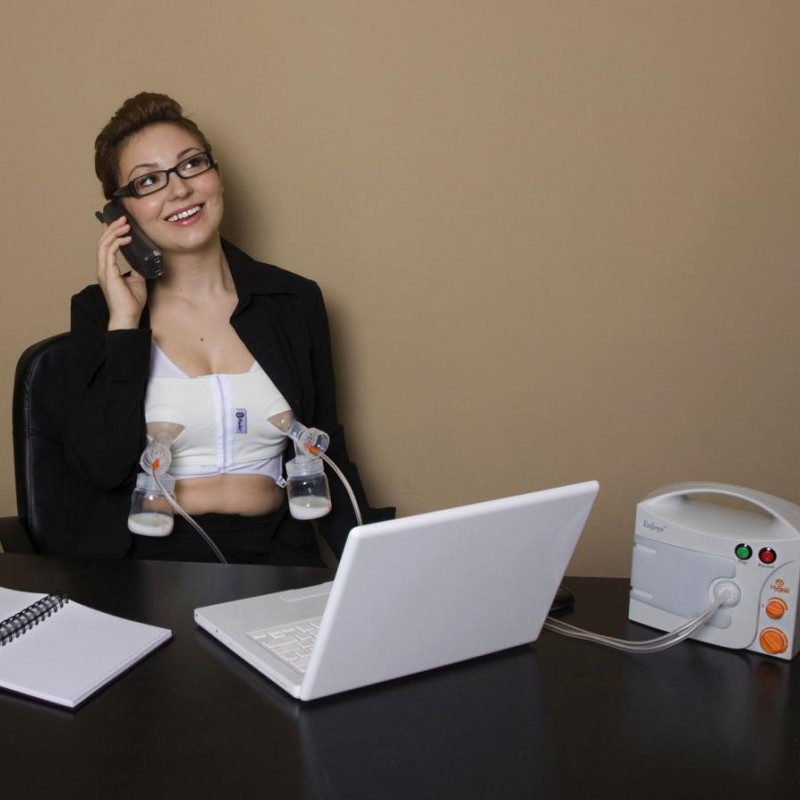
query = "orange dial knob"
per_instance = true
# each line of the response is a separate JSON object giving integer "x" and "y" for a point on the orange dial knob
{"x": 773, "y": 641}
{"x": 776, "y": 607}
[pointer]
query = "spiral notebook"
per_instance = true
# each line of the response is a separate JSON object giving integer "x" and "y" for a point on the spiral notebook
{"x": 54, "y": 649}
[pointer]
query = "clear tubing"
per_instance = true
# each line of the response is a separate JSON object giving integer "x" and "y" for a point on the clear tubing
{"x": 210, "y": 541}
{"x": 174, "y": 504}
{"x": 347, "y": 486}
{"x": 156, "y": 459}
{"x": 648, "y": 646}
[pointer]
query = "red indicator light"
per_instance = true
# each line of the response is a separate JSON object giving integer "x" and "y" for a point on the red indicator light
{"x": 767, "y": 555}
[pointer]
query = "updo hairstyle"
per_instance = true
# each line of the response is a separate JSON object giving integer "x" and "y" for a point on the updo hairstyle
{"x": 135, "y": 114}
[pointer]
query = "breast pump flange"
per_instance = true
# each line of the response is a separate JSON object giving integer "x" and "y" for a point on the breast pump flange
{"x": 151, "y": 513}
{"x": 307, "y": 488}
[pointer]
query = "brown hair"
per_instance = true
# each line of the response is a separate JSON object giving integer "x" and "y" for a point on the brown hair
{"x": 135, "y": 114}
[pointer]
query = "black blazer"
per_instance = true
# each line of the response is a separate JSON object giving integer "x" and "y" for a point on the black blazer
{"x": 280, "y": 317}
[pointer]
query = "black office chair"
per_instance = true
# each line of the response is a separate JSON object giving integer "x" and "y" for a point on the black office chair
{"x": 44, "y": 484}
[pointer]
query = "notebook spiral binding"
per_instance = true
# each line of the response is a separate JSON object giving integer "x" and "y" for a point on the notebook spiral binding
{"x": 24, "y": 620}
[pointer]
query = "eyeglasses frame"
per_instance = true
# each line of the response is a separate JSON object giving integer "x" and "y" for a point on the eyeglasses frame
{"x": 129, "y": 191}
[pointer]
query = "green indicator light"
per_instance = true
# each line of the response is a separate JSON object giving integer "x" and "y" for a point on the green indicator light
{"x": 743, "y": 551}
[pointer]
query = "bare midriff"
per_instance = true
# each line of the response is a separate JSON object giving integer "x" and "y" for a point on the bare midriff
{"x": 247, "y": 495}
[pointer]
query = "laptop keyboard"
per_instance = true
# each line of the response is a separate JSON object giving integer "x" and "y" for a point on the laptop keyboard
{"x": 292, "y": 643}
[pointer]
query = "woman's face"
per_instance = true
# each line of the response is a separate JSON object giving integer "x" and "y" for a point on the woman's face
{"x": 184, "y": 216}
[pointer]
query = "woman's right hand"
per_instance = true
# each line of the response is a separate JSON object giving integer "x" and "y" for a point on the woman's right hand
{"x": 125, "y": 296}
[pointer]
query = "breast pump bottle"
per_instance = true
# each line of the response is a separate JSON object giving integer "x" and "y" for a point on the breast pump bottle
{"x": 307, "y": 488}
{"x": 151, "y": 513}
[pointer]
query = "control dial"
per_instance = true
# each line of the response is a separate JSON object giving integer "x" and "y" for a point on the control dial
{"x": 773, "y": 641}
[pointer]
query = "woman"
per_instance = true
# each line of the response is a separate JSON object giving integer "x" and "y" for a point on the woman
{"x": 217, "y": 344}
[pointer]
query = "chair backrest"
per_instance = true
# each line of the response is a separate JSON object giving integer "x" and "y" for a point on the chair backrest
{"x": 62, "y": 512}
{"x": 44, "y": 483}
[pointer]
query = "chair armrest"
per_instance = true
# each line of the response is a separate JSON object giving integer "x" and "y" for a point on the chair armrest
{"x": 14, "y": 537}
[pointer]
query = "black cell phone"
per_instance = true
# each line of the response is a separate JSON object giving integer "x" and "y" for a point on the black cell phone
{"x": 564, "y": 599}
{"x": 141, "y": 253}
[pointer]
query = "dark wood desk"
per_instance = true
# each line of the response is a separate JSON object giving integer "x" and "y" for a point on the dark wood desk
{"x": 558, "y": 719}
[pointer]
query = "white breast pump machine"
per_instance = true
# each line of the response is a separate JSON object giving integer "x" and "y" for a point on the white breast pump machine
{"x": 712, "y": 571}
{"x": 689, "y": 551}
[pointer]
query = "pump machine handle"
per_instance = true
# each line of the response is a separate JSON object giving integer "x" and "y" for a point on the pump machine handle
{"x": 785, "y": 513}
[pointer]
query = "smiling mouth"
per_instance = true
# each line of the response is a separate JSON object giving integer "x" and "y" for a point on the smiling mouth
{"x": 185, "y": 214}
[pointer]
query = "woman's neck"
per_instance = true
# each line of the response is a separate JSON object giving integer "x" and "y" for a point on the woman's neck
{"x": 197, "y": 273}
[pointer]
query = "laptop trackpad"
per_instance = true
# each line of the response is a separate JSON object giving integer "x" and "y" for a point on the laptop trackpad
{"x": 293, "y": 595}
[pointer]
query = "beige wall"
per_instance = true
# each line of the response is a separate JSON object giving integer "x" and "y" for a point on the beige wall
{"x": 558, "y": 240}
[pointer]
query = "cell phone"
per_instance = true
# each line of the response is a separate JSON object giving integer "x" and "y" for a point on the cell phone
{"x": 140, "y": 253}
{"x": 564, "y": 599}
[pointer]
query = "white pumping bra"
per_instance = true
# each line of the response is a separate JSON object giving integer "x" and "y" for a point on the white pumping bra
{"x": 224, "y": 418}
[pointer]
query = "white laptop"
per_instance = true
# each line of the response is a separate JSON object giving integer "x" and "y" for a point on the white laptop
{"x": 413, "y": 594}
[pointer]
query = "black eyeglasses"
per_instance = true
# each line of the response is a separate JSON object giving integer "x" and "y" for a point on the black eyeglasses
{"x": 152, "y": 182}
